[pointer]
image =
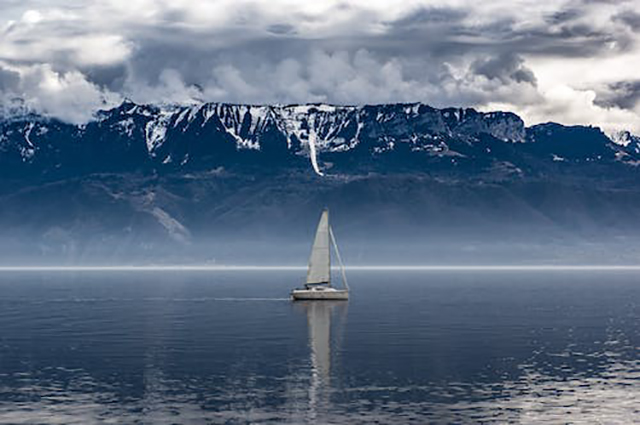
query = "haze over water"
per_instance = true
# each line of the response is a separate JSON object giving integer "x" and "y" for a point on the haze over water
{"x": 409, "y": 347}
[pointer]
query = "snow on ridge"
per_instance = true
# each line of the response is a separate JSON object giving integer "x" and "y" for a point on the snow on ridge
{"x": 413, "y": 109}
{"x": 230, "y": 116}
{"x": 299, "y": 122}
{"x": 27, "y": 152}
{"x": 156, "y": 130}
{"x": 318, "y": 127}
{"x": 244, "y": 123}
{"x": 27, "y": 134}
{"x": 312, "y": 150}
{"x": 259, "y": 117}
{"x": 126, "y": 126}
{"x": 232, "y": 119}
{"x": 208, "y": 111}
{"x": 290, "y": 123}
{"x": 623, "y": 138}
{"x": 326, "y": 108}
{"x": 181, "y": 116}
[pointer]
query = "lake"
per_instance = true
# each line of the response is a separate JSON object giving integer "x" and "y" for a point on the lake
{"x": 192, "y": 347}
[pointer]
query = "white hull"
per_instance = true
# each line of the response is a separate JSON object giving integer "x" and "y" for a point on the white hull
{"x": 320, "y": 293}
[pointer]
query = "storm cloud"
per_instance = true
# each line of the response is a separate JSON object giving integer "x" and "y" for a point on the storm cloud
{"x": 621, "y": 94}
{"x": 568, "y": 61}
{"x": 505, "y": 68}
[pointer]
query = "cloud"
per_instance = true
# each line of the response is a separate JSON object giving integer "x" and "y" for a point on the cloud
{"x": 362, "y": 77}
{"x": 57, "y": 37}
{"x": 506, "y": 67}
{"x": 68, "y": 95}
{"x": 281, "y": 29}
{"x": 518, "y": 56}
{"x": 579, "y": 107}
{"x": 9, "y": 80}
{"x": 169, "y": 88}
{"x": 620, "y": 94}
{"x": 630, "y": 18}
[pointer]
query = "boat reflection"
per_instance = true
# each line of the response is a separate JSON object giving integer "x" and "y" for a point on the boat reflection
{"x": 323, "y": 337}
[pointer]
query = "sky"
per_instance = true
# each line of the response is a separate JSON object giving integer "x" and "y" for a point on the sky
{"x": 569, "y": 61}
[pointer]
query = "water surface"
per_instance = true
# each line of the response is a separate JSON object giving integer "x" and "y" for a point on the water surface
{"x": 410, "y": 347}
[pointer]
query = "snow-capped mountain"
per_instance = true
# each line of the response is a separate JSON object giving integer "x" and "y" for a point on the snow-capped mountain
{"x": 165, "y": 181}
{"x": 324, "y": 138}
{"x": 626, "y": 139}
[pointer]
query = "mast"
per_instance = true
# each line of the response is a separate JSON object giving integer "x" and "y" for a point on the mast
{"x": 319, "y": 271}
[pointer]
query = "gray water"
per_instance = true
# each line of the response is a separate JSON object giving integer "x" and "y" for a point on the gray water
{"x": 409, "y": 347}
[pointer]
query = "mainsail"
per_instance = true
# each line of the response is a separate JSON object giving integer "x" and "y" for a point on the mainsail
{"x": 320, "y": 259}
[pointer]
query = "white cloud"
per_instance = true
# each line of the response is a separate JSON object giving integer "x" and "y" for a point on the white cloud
{"x": 54, "y": 35}
{"x": 170, "y": 88}
{"x": 571, "y": 106}
{"x": 72, "y": 55}
{"x": 68, "y": 96}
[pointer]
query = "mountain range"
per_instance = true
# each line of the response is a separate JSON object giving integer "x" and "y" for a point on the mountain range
{"x": 211, "y": 181}
{"x": 172, "y": 138}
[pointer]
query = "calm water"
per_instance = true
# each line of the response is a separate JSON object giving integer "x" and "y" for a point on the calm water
{"x": 214, "y": 347}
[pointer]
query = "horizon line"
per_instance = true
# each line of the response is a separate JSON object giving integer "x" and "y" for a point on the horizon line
{"x": 461, "y": 267}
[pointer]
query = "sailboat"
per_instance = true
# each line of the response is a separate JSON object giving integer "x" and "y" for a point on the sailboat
{"x": 318, "y": 285}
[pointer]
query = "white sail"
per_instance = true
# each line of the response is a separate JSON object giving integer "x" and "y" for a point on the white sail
{"x": 320, "y": 259}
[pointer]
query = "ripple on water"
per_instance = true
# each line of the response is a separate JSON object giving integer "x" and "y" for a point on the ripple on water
{"x": 173, "y": 353}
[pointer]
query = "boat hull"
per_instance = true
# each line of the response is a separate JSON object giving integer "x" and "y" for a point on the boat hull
{"x": 320, "y": 295}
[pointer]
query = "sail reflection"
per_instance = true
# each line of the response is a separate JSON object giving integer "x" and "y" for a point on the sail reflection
{"x": 321, "y": 342}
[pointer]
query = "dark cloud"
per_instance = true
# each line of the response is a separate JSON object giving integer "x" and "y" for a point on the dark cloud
{"x": 506, "y": 68}
{"x": 422, "y": 17}
{"x": 110, "y": 77}
{"x": 449, "y": 33}
{"x": 280, "y": 29}
{"x": 621, "y": 94}
{"x": 564, "y": 16}
{"x": 630, "y": 18}
{"x": 421, "y": 40}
